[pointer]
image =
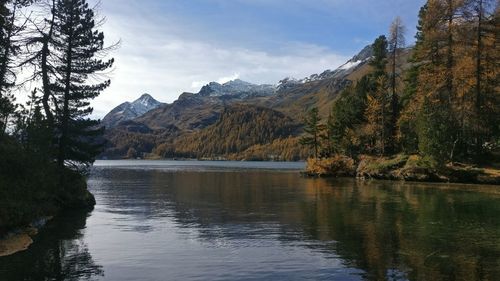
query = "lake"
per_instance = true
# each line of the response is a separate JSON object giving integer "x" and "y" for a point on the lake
{"x": 190, "y": 220}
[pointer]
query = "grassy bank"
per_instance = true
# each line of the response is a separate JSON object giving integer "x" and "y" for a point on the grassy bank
{"x": 401, "y": 167}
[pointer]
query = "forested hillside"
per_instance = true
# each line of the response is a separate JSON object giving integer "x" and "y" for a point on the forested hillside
{"x": 241, "y": 129}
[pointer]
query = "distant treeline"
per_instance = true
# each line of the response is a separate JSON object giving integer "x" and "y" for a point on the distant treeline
{"x": 47, "y": 143}
{"x": 444, "y": 104}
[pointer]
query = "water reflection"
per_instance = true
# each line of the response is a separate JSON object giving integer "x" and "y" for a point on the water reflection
{"x": 393, "y": 231}
{"x": 59, "y": 253}
{"x": 424, "y": 231}
{"x": 255, "y": 225}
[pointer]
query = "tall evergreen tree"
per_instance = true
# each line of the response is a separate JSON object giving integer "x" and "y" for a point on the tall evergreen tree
{"x": 377, "y": 113}
{"x": 480, "y": 66}
{"x": 8, "y": 11}
{"x": 80, "y": 48}
{"x": 436, "y": 60}
{"x": 396, "y": 43}
{"x": 312, "y": 128}
{"x": 379, "y": 61}
{"x": 9, "y": 48}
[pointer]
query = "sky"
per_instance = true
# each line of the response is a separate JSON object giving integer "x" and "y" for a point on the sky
{"x": 168, "y": 47}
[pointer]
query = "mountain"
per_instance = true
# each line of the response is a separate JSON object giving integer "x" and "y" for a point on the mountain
{"x": 130, "y": 110}
{"x": 193, "y": 111}
{"x": 237, "y": 88}
{"x": 355, "y": 63}
{"x": 199, "y": 125}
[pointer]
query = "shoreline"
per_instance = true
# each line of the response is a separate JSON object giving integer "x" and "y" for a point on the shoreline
{"x": 400, "y": 168}
{"x": 21, "y": 238}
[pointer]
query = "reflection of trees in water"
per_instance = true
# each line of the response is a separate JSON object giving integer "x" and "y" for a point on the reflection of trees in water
{"x": 57, "y": 254}
{"x": 389, "y": 230}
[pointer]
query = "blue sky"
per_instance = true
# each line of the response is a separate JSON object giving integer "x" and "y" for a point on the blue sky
{"x": 172, "y": 46}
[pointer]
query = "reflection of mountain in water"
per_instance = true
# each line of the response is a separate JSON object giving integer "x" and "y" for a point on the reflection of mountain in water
{"x": 389, "y": 230}
{"x": 57, "y": 254}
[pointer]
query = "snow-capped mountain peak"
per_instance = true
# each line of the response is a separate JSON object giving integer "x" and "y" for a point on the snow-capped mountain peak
{"x": 130, "y": 110}
{"x": 350, "y": 66}
{"x": 236, "y": 88}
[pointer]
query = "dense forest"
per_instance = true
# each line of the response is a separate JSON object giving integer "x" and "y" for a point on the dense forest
{"x": 243, "y": 132}
{"x": 443, "y": 106}
{"x": 54, "y": 49}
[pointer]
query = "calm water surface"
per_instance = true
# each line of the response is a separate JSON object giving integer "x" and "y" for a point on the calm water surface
{"x": 161, "y": 220}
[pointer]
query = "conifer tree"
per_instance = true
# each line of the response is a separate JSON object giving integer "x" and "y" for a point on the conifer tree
{"x": 80, "y": 48}
{"x": 396, "y": 43}
{"x": 379, "y": 61}
{"x": 377, "y": 113}
{"x": 407, "y": 123}
{"x": 9, "y": 49}
{"x": 312, "y": 128}
{"x": 377, "y": 116}
{"x": 479, "y": 62}
{"x": 44, "y": 59}
{"x": 436, "y": 60}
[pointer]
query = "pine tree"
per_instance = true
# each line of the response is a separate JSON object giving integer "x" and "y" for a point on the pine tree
{"x": 480, "y": 66}
{"x": 8, "y": 11}
{"x": 9, "y": 48}
{"x": 312, "y": 128}
{"x": 437, "y": 137}
{"x": 79, "y": 46}
{"x": 346, "y": 116}
{"x": 378, "y": 119}
{"x": 437, "y": 77}
{"x": 377, "y": 113}
{"x": 396, "y": 43}
{"x": 379, "y": 61}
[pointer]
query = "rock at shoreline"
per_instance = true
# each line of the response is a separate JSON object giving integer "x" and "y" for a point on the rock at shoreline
{"x": 17, "y": 242}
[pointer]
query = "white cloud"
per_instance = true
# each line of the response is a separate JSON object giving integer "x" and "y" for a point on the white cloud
{"x": 198, "y": 84}
{"x": 164, "y": 60}
{"x": 226, "y": 79}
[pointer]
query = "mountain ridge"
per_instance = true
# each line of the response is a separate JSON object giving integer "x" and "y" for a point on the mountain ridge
{"x": 130, "y": 110}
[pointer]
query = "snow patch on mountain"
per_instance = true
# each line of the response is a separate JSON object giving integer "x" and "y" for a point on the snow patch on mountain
{"x": 341, "y": 72}
{"x": 350, "y": 65}
{"x": 238, "y": 88}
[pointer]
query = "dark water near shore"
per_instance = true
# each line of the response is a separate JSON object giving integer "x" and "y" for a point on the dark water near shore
{"x": 262, "y": 221}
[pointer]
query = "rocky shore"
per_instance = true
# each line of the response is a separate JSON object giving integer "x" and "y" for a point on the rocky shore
{"x": 400, "y": 167}
{"x": 20, "y": 239}
{"x": 17, "y": 238}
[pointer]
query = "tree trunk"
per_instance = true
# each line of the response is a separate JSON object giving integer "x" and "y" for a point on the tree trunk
{"x": 45, "y": 70}
{"x": 479, "y": 53}
{"x": 394, "y": 98}
{"x": 449, "y": 57}
{"x": 67, "y": 92}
